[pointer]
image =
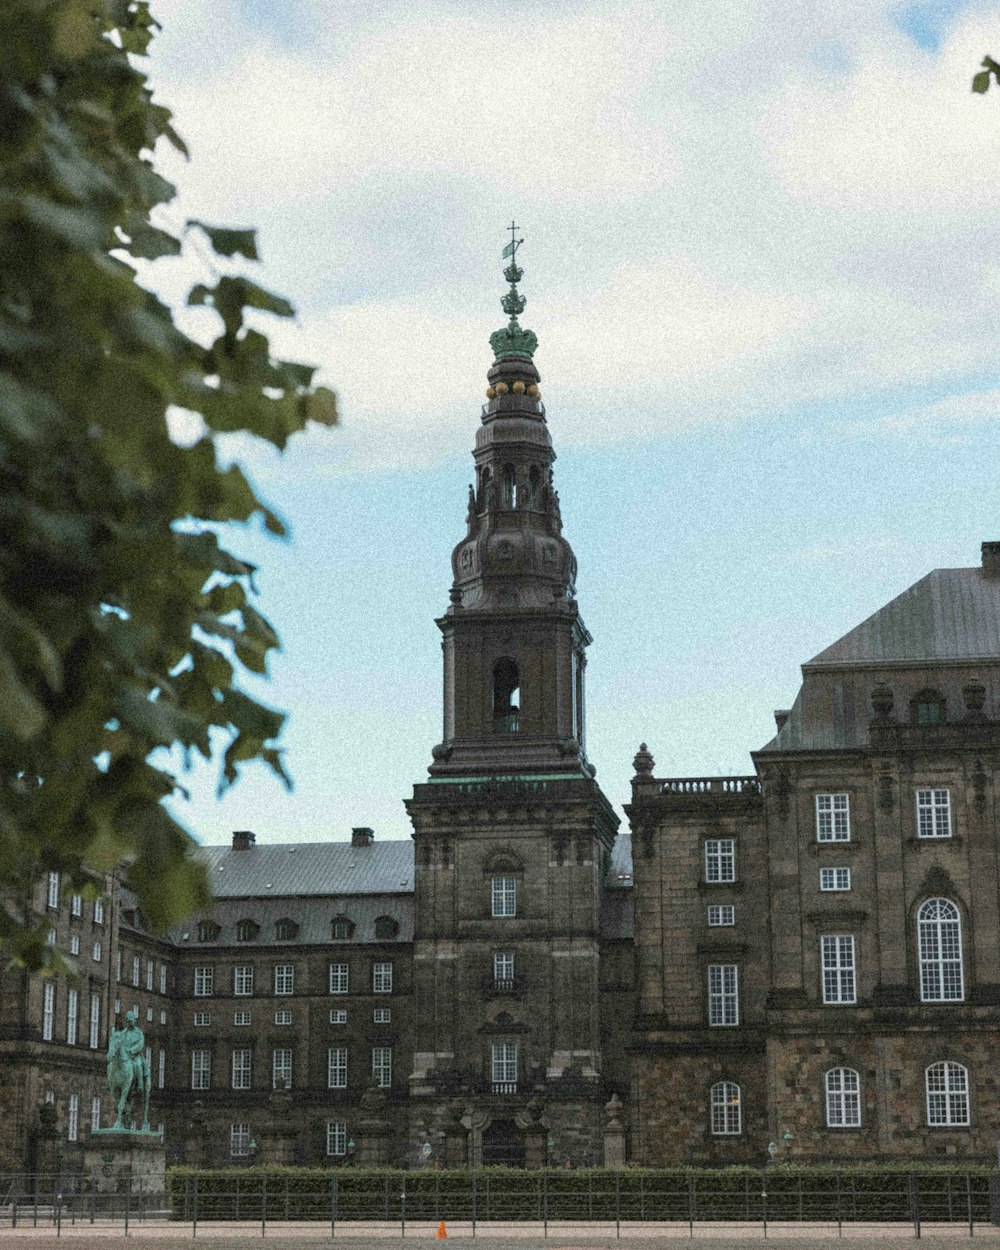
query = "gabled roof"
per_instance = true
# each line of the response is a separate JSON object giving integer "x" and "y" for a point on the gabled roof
{"x": 951, "y": 614}
{"x": 313, "y": 920}
{"x": 309, "y": 868}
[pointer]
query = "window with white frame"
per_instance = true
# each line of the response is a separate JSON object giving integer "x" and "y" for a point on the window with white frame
{"x": 503, "y": 969}
{"x": 339, "y": 978}
{"x": 118, "y": 1006}
{"x": 382, "y": 1066}
{"x": 933, "y": 813}
{"x": 204, "y": 980}
{"x": 72, "y": 1015}
{"x": 98, "y": 915}
{"x": 242, "y": 1018}
{"x": 939, "y": 944}
{"x": 73, "y": 1117}
{"x": 95, "y": 1113}
{"x": 503, "y": 1066}
{"x": 504, "y": 896}
{"x": 336, "y": 1067}
{"x": 95, "y": 1021}
{"x": 202, "y": 1019}
{"x": 243, "y": 980}
{"x": 382, "y": 978}
{"x": 161, "y": 1069}
{"x": 150, "y": 970}
{"x": 723, "y": 995}
{"x": 947, "y": 1085}
{"x": 48, "y": 1010}
{"x": 163, "y": 978}
{"x": 136, "y": 969}
{"x": 720, "y": 859}
{"x": 382, "y": 1015}
{"x": 726, "y": 1109}
{"x": 163, "y": 1017}
{"x": 96, "y": 952}
{"x": 722, "y": 914}
{"x": 338, "y": 1016}
{"x": 843, "y": 1098}
{"x": 284, "y": 978}
{"x": 239, "y": 1140}
{"x": 52, "y": 890}
{"x": 118, "y": 966}
{"x": 281, "y": 1067}
{"x": 201, "y": 1069}
{"x": 50, "y": 937}
{"x": 149, "y": 1015}
{"x": 835, "y": 879}
{"x": 839, "y": 985}
{"x": 242, "y": 1060}
{"x": 75, "y": 905}
{"x": 336, "y": 1137}
{"x": 833, "y": 818}
{"x": 74, "y": 944}
{"x": 282, "y": 1017}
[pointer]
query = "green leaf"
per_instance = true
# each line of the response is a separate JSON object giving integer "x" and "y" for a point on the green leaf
{"x": 321, "y": 407}
{"x": 228, "y": 242}
{"x": 981, "y": 82}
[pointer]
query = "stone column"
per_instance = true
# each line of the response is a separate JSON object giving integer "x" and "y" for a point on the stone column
{"x": 614, "y": 1133}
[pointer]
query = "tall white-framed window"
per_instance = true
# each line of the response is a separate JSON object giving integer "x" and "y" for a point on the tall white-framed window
{"x": 243, "y": 980}
{"x": 150, "y": 972}
{"x": 503, "y": 1066}
{"x": 336, "y": 1137}
{"x": 96, "y": 952}
{"x": 720, "y": 859}
{"x": 161, "y": 1069}
{"x": 947, "y": 1085}
{"x": 95, "y": 1113}
{"x": 73, "y": 1117}
{"x": 48, "y": 1010}
{"x": 721, "y": 914}
{"x": 726, "y": 1111}
{"x": 74, "y": 944}
{"x": 833, "y": 818}
{"x": 382, "y": 978}
{"x": 503, "y": 969}
{"x": 50, "y": 937}
{"x": 843, "y": 1098}
{"x": 939, "y": 946}
{"x": 723, "y": 995}
{"x": 339, "y": 978}
{"x": 76, "y": 905}
{"x": 52, "y": 890}
{"x": 239, "y": 1140}
{"x": 201, "y": 1069}
{"x": 163, "y": 978}
{"x": 504, "y": 896}
{"x": 839, "y": 980}
{"x": 72, "y": 1015}
{"x": 336, "y": 1067}
{"x": 204, "y": 982}
{"x": 98, "y": 915}
{"x": 136, "y": 969}
{"x": 933, "y": 813}
{"x": 242, "y": 1067}
{"x": 834, "y": 879}
{"x": 382, "y": 1066}
{"x": 95, "y": 1021}
{"x": 118, "y": 965}
{"x": 281, "y": 1067}
{"x": 284, "y": 978}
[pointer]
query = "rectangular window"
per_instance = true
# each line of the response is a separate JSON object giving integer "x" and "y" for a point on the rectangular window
{"x": 204, "y": 980}
{"x": 72, "y": 1011}
{"x": 118, "y": 1006}
{"x": 336, "y": 1067}
{"x": 720, "y": 859}
{"x": 835, "y": 879}
{"x": 282, "y": 1017}
{"x": 338, "y": 1016}
{"x": 243, "y": 980}
{"x": 75, "y": 905}
{"x": 163, "y": 1017}
{"x": 339, "y": 978}
{"x": 833, "y": 818}
{"x": 201, "y": 1069}
{"x": 161, "y": 1069}
{"x": 74, "y": 944}
{"x": 98, "y": 916}
{"x": 723, "y": 995}
{"x": 284, "y": 979}
{"x": 73, "y": 1117}
{"x": 838, "y": 969}
{"x": 52, "y": 892}
{"x": 382, "y": 1066}
{"x": 503, "y": 969}
{"x": 136, "y": 969}
{"x": 163, "y": 978}
{"x": 241, "y": 1068}
{"x": 281, "y": 1068}
{"x": 382, "y": 978}
{"x": 118, "y": 966}
{"x": 149, "y": 1015}
{"x": 724, "y": 914}
{"x": 503, "y": 1067}
{"x": 95, "y": 1113}
{"x": 336, "y": 1137}
{"x": 933, "y": 814}
{"x": 95, "y": 1021}
{"x": 504, "y": 895}
{"x": 382, "y": 1015}
{"x": 241, "y": 1018}
{"x": 96, "y": 951}
{"x": 48, "y": 1010}
{"x": 202, "y": 1019}
{"x": 239, "y": 1140}
{"x": 50, "y": 937}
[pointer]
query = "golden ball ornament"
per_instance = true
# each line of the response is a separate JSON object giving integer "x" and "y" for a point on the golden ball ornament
{"x": 501, "y": 388}
{"x": 490, "y": 392}
{"x": 518, "y": 388}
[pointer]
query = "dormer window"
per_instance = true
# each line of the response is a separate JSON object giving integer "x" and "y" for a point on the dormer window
{"x": 247, "y": 930}
{"x": 286, "y": 930}
{"x": 342, "y": 929}
{"x": 927, "y": 708}
{"x": 385, "y": 928}
{"x": 208, "y": 931}
{"x": 506, "y": 693}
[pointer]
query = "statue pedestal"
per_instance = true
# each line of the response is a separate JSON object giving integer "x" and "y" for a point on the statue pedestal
{"x": 115, "y": 1160}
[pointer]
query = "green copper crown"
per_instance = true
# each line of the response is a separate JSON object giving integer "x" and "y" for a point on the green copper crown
{"x": 512, "y": 340}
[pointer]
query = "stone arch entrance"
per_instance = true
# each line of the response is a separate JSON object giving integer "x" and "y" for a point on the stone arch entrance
{"x": 503, "y": 1145}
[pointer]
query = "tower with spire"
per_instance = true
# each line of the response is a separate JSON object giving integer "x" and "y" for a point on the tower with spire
{"x": 513, "y": 836}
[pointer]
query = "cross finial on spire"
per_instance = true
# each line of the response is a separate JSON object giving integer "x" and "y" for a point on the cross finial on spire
{"x": 511, "y": 248}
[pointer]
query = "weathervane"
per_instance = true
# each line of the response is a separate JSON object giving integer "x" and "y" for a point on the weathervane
{"x": 512, "y": 340}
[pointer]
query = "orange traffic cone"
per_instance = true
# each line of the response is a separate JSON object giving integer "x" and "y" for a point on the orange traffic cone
{"x": 442, "y": 1233}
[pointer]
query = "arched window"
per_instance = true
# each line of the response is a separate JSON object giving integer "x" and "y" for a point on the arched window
{"x": 208, "y": 931}
{"x": 533, "y": 494}
{"x": 385, "y": 928}
{"x": 506, "y": 687}
{"x": 939, "y": 939}
{"x": 286, "y": 930}
{"x": 342, "y": 929}
{"x": 843, "y": 1098}
{"x": 927, "y": 708}
{"x": 726, "y": 1109}
{"x": 246, "y": 930}
{"x": 509, "y": 487}
{"x": 947, "y": 1094}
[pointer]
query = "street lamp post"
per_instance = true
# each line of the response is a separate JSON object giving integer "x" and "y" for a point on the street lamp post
{"x": 788, "y": 1137}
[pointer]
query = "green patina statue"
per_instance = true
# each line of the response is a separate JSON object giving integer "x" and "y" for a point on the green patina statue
{"x": 512, "y": 340}
{"x": 128, "y": 1075}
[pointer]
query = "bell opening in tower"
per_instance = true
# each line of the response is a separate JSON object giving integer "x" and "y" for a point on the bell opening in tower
{"x": 509, "y": 487}
{"x": 506, "y": 689}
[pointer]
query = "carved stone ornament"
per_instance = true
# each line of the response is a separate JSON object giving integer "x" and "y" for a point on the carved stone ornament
{"x": 882, "y": 703}
{"x": 643, "y": 762}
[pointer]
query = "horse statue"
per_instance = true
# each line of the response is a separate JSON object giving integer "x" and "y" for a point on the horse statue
{"x": 128, "y": 1071}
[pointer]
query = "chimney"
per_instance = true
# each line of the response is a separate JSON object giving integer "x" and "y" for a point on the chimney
{"x": 780, "y": 717}
{"x": 991, "y": 559}
{"x": 243, "y": 839}
{"x": 362, "y": 837}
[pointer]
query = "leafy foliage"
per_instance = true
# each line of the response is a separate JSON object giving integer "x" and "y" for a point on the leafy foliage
{"x": 124, "y": 622}
{"x": 981, "y": 81}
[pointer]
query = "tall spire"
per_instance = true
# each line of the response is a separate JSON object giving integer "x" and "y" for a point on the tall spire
{"x": 511, "y": 340}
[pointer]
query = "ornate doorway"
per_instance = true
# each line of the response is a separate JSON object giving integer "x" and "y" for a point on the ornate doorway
{"x": 503, "y": 1145}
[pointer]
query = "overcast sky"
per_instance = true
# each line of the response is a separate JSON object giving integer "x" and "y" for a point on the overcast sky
{"x": 761, "y": 257}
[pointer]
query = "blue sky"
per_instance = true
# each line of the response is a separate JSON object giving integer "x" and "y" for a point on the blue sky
{"x": 760, "y": 258}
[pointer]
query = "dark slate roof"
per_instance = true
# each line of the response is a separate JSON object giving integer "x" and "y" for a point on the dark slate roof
{"x": 312, "y": 917}
{"x": 309, "y": 868}
{"x": 620, "y": 876}
{"x": 951, "y": 614}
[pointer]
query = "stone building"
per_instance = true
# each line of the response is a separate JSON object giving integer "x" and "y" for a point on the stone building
{"x": 808, "y": 955}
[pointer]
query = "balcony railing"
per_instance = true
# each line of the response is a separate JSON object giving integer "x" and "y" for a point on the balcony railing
{"x": 715, "y": 786}
{"x": 505, "y": 1087}
{"x": 508, "y": 724}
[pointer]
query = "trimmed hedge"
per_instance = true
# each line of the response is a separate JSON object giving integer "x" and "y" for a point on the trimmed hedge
{"x": 784, "y": 1192}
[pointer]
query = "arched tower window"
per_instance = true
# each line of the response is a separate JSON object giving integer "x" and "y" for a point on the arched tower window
{"x": 726, "y": 1109}
{"x": 509, "y": 486}
{"x": 506, "y": 689}
{"x": 533, "y": 496}
{"x": 947, "y": 1085}
{"x": 939, "y": 942}
{"x": 843, "y": 1098}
